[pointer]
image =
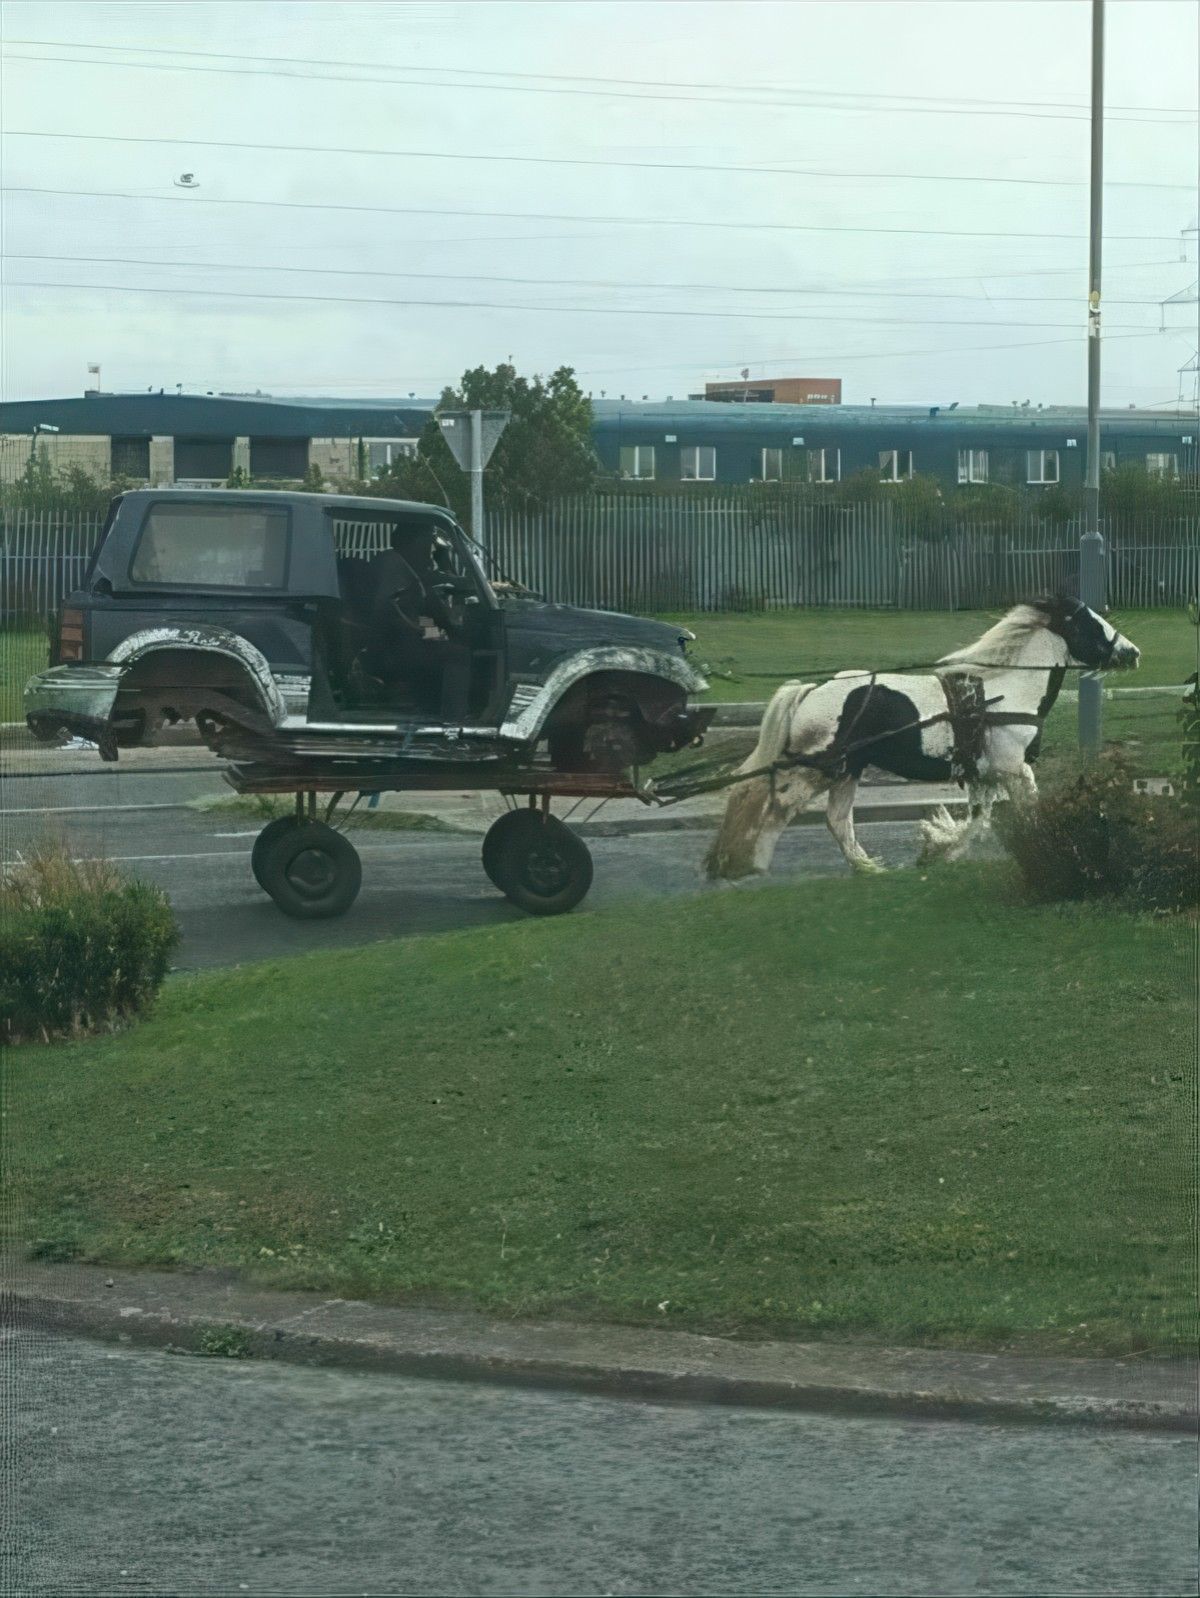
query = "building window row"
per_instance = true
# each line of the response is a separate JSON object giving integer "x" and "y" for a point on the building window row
{"x": 1041, "y": 466}
{"x": 637, "y": 460}
{"x": 895, "y": 465}
{"x": 383, "y": 453}
{"x": 698, "y": 464}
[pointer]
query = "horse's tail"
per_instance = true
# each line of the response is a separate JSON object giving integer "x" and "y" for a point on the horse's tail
{"x": 732, "y": 852}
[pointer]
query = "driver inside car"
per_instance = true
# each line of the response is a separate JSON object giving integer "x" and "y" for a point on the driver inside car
{"x": 407, "y": 619}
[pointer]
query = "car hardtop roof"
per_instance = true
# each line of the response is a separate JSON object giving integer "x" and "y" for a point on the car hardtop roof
{"x": 358, "y": 504}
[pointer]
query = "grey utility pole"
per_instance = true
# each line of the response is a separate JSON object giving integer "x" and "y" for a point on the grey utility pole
{"x": 471, "y": 437}
{"x": 477, "y": 527}
{"x": 1091, "y": 544}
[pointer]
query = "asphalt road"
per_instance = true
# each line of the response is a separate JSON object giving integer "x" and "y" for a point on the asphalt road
{"x": 412, "y": 882}
{"x": 137, "y": 1472}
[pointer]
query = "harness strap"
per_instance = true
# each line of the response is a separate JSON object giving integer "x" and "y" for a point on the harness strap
{"x": 833, "y": 763}
{"x": 1012, "y": 718}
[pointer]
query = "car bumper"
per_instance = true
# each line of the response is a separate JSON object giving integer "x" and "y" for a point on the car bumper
{"x": 684, "y": 727}
{"x": 77, "y": 699}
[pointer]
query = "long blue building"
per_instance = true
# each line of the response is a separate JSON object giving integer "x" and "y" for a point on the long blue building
{"x": 163, "y": 438}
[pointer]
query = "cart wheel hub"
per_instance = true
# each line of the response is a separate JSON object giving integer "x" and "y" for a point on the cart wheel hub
{"x": 545, "y": 870}
{"x": 312, "y": 873}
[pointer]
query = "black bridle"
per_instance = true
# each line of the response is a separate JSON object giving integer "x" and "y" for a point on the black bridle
{"x": 1110, "y": 644}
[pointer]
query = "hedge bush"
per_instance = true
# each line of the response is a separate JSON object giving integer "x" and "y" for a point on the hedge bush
{"x": 1096, "y": 837}
{"x": 81, "y": 949}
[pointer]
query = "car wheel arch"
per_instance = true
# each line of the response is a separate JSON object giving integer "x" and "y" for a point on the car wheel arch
{"x": 644, "y": 676}
{"x": 146, "y": 654}
{"x": 640, "y": 692}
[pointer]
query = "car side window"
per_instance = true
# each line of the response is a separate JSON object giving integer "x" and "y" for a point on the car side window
{"x": 213, "y": 546}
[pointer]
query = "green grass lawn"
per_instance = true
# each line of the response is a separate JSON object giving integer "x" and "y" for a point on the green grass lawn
{"x": 751, "y": 654}
{"x": 908, "y": 1108}
{"x": 782, "y": 644}
{"x": 22, "y": 652}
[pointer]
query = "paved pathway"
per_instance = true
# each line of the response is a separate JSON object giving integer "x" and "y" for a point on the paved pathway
{"x": 138, "y": 1472}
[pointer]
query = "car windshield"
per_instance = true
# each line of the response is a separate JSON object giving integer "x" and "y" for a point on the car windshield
{"x": 454, "y": 555}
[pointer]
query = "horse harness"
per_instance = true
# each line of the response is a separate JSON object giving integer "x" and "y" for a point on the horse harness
{"x": 970, "y": 715}
{"x": 968, "y": 712}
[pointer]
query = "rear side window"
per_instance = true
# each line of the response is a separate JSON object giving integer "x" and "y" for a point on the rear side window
{"x": 217, "y": 546}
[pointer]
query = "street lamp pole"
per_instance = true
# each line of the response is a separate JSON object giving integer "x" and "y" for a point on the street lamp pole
{"x": 1091, "y": 544}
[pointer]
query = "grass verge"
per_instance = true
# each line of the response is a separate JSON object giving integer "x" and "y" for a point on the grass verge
{"x": 907, "y": 1108}
{"x": 787, "y": 643}
{"x": 266, "y": 807}
{"x": 22, "y": 652}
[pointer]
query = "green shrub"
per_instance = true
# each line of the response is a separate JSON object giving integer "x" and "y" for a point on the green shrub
{"x": 81, "y": 949}
{"x": 1189, "y": 718}
{"x": 1096, "y": 837}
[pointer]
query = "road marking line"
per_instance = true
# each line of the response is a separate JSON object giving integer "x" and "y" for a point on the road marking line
{"x": 201, "y": 854}
{"x": 108, "y": 772}
{"x": 136, "y": 859}
{"x": 75, "y": 810}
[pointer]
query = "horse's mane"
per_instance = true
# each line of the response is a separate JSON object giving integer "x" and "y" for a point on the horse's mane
{"x": 1002, "y": 643}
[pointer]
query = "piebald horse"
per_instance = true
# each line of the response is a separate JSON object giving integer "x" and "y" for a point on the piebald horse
{"x": 976, "y": 719}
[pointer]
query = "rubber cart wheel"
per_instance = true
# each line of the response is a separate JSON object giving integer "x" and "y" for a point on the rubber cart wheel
{"x": 543, "y": 866}
{"x": 311, "y": 871}
{"x": 262, "y": 844}
{"x": 498, "y": 835}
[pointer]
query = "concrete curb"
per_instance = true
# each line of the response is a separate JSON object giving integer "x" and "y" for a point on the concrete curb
{"x": 864, "y": 815}
{"x": 176, "y": 1311}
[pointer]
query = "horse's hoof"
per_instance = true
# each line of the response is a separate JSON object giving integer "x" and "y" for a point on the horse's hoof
{"x": 721, "y": 880}
{"x": 869, "y": 868}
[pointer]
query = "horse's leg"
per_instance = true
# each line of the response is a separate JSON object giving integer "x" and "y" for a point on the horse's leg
{"x": 839, "y": 817}
{"x": 756, "y": 815}
{"x": 980, "y": 799}
{"x": 790, "y": 798}
{"x": 1020, "y": 785}
{"x": 941, "y": 836}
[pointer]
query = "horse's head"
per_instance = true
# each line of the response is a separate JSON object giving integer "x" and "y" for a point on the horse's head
{"x": 1090, "y": 640}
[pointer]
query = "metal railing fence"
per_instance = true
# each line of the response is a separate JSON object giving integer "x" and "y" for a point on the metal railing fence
{"x": 716, "y": 554}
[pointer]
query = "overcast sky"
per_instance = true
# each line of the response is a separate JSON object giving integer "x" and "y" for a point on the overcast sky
{"x": 601, "y": 265}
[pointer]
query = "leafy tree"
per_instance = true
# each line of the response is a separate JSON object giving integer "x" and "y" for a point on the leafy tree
{"x": 1189, "y": 719}
{"x": 41, "y": 487}
{"x": 1130, "y": 490}
{"x": 544, "y": 453}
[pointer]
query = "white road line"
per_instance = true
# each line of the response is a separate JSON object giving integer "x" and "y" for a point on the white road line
{"x": 203, "y": 854}
{"x": 139, "y": 859}
{"x": 76, "y": 810}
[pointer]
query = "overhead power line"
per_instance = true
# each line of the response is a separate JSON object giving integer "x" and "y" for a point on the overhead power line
{"x": 970, "y": 273}
{"x": 565, "y": 282}
{"x": 186, "y": 198}
{"x": 1008, "y": 344}
{"x": 809, "y": 358}
{"x": 617, "y": 88}
{"x": 492, "y": 157}
{"x": 541, "y": 309}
